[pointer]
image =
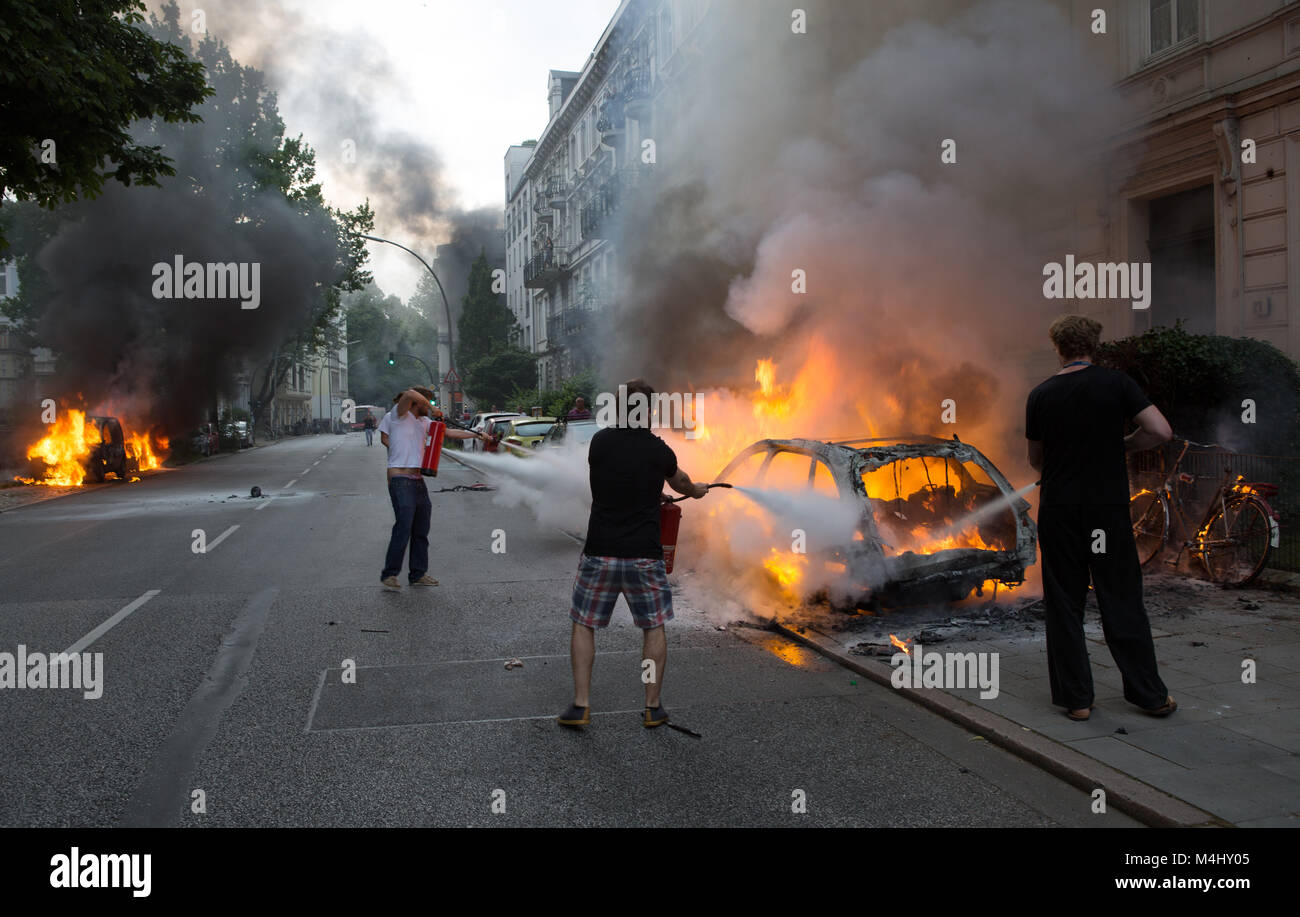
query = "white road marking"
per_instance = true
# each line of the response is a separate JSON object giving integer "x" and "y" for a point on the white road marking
{"x": 264, "y": 504}
{"x": 290, "y": 484}
{"x": 315, "y": 463}
{"x": 305, "y": 470}
{"x": 108, "y": 625}
{"x": 212, "y": 545}
{"x": 308, "y": 471}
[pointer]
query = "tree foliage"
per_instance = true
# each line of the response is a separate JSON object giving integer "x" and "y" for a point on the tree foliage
{"x": 485, "y": 321}
{"x": 557, "y": 402}
{"x": 383, "y": 324}
{"x": 493, "y": 378}
{"x": 80, "y": 74}
{"x": 1200, "y": 381}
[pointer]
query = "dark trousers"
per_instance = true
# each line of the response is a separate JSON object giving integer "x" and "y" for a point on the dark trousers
{"x": 1066, "y": 535}
{"x": 412, "y": 511}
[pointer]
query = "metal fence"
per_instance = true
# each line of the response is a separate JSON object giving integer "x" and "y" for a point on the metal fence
{"x": 1149, "y": 470}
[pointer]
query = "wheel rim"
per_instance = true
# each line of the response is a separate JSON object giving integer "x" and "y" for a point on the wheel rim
{"x": 1148, "y": 516}
{"x": 1238, "y": 540}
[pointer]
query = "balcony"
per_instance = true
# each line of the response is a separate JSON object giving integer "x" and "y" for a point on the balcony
{"x": 612, "y": 119}
{"x": 567, "y": 324}
{"x": 636, "y": 91}
{"x": 557, "y": 190}
{"x": 595, "y": 217}
{"x": 544, "y": 269}
{"x": 543, "y": 212}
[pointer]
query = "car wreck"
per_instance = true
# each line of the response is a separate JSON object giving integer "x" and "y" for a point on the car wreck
{"x": 938, "y": 521}
{"x": 111, "y": 454}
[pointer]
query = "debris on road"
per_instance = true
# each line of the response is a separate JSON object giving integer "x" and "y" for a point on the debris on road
{"x": 515, "y": 664}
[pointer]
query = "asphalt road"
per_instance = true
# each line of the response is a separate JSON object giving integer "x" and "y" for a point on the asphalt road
{"x": 224, "y": 683}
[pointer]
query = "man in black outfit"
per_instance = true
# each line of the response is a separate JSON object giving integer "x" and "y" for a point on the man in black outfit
{"x": 1075, "y": 424}
{"x": 623, "y": 554}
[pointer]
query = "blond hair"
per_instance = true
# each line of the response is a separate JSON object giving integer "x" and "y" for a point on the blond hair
{"x": 1075, "y": 336}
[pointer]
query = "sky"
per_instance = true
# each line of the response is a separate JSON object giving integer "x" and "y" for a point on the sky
{"x": 465, "y": 77}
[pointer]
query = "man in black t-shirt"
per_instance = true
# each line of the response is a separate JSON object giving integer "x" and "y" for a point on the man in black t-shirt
{"x": 1075, "y": 424}
{"x": 623, "y": 554}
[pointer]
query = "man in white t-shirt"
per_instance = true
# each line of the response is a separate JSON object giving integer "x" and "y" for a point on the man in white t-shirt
{"x": 403, "y": 431}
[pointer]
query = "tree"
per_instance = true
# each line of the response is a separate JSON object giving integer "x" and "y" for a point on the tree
{"x": 485, "y": 322}
{"x": 74, "y": 77}
{"x": 242, "y": 192}
{"x": 383, "y": 324}
{"x": 494, "y": 378}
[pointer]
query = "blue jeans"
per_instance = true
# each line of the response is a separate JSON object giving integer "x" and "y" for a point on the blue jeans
{"x": 412, "y": 510}
{"x": 370, "y": 436}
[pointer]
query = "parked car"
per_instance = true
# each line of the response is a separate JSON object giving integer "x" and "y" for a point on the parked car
{"x": 482, "y": 423}
{"x": 520, "y": 435}
{"x": 205, "y": 440}
{"x": 239, "y": 429}
{"x": 569, "y": 433}
{"x": 909, "y": 490}
{"x": 110, "y": 455}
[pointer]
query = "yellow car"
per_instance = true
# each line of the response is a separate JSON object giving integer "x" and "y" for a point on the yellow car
{"x": 520, "y": 435}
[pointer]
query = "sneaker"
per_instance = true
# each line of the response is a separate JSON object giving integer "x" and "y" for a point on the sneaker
{"x": 575, "y": 716}
{"x": 655, "y": 716}
{"x": 425, "y": 580}
{"x": 390, "y": 582}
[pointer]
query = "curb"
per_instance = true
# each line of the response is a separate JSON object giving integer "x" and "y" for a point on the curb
{"x": 1151, "y": 806}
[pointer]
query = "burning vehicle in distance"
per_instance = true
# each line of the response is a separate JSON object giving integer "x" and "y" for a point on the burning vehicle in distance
{"x": 112, "y": 454}
{"x": 935, "y": 521}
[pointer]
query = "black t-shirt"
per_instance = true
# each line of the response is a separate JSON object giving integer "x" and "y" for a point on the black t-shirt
{"x": 1079, "y": 418}
{"x": 628, "y": 469}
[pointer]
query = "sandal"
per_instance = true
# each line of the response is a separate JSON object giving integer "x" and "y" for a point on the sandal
{"x": 1080, "y": 717}
{"x": 1168, "y": 707}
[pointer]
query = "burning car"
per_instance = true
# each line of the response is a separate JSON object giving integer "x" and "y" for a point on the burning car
{"x": 80, "y": 446}
{"x": 935, "y": 520}
{"x": 111, "y": 454}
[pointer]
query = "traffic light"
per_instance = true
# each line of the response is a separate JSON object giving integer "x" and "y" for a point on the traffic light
{"x": 392, "y": 358}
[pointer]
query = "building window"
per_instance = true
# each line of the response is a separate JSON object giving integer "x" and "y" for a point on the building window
{"x": 1172, "y": 23}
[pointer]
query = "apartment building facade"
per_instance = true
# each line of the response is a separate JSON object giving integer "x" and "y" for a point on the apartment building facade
{"x": 565, "y": 191}
{"x": 1206, "y": 186}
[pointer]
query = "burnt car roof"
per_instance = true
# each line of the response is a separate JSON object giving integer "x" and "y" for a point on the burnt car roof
{"x": 910, "y": 574}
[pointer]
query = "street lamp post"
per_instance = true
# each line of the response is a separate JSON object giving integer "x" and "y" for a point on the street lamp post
{"x": 445, "y": 388}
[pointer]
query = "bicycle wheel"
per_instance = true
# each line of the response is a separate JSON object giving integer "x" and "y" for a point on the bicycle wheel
{"x": 1236, "y": 542}
{"x": 1150, "y": 518}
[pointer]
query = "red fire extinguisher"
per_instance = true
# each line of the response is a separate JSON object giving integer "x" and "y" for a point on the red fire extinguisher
{"x": 432, "y": 448}
{"x": 670, "y": 522}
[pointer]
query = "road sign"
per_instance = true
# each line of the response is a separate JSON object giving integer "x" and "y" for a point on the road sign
{"x": 451, "y": 378}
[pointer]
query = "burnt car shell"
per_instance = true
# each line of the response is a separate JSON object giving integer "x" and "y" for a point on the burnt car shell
{"x": 110, "y": 454}
{"x": 874, "y": 575}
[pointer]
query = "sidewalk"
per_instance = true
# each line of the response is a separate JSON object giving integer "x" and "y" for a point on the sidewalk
{"x": 1231, "y": 749}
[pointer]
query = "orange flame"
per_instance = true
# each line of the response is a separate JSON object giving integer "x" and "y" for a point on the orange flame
{"x": 64, "y": 450}
{"x": 901, "y": 644}
{"x": 727, "y": 422}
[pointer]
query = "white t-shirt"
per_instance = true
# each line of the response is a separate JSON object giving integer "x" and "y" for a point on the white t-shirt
{"x": 405, "y": 438}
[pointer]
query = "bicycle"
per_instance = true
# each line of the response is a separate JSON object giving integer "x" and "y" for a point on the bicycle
{"x": 1236, "y": 532}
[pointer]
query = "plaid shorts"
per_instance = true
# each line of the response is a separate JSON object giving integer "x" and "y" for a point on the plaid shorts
{"x": 600, "y": 581}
